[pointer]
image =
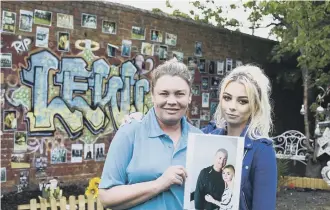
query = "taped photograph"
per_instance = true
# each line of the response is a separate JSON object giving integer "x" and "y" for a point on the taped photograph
{"x": 8, "y": 22}
{"x": 138, "y": 33}
{"x": 64, "y": 21}
{"x": 9, "y": 120}
{"x": 25, "y": 20}
{"x": 109, "y": 27}
{"x": 42, "y": 17}
{"x": 88, "y": 21}
{"x": 214, "y": 165}
{"x": 63, "y": 41}
{"x": 156, "y": 36}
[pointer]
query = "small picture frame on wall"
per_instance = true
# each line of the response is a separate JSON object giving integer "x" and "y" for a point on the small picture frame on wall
{"x": 156, "y": 35}
{"x": 205, "y": 83}
{"x": 42, "y": 17}
{"x": 215, "y": 81}
{"x": 229, "y": 64}
{"x": 220, "y": 67}
{"x": 194, "y": 111}
{"x": 9, "y": 120}
{"x": 198, "y": 49}
{"x": 205, "y": 100}
{"x": 201, "y": 65}
{"x": 196, "y": 90}
{"x": 214, "y": 94}
{"x": 88, "y": 21}
{"x": 126, "y": 48}
{"x": 111, "y": 50}
{"x": 63, "y": 41}
{"x": 6, "y": 60}
{"x": 8, "y": 22}
{"x": 205, "y": 115}
{"x": 211, "y": 67}
{"x": 138, "y": 33}
{"x": 109, "y": 27}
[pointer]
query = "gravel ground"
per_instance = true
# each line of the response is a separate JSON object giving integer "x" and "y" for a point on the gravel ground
{"x": 303, "y": 200}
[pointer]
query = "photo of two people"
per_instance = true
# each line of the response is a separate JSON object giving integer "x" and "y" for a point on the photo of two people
{"x": 214, "y": 165}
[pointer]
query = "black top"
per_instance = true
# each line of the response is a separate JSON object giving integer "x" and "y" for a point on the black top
{"x": 209, "y": 182}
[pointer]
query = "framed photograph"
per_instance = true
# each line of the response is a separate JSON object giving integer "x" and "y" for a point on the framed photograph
{"x": 215, "y": 81}
{"x": 3, "y": 174}
{"x": 220, "y": 67}
{"x": 63, "y": 41}
{"x": 88, "y": 152}
{"x": 100, "y": 152}
{"x": 76, "y": 153}
{"x": 162, "y": 52}
{"x": 138, "y": 33}
{"x": 111, "y": 50}
{"x": 88, "y": 21}
{"x": 192, "y": 61}
{"x": 170, "y": 39}
{"x": 213, "y": 160}
{"x": 156, "y": 36}
{"x": 198, "y": 49}
{"x": 229, "y": 64}
{"x": 126, "y": 48}
{"x": 205, "y": 100}
{"x": 6, "y": 60}
{"x": 20, "y": 141}
{"x": 214, "y": 94}
{"x": 196, "y": 90}
{"x": 42, "y": 17}
{"x": 201, "y": 65}
{"x": 147, "y": 49}
{"x": 58, "y": 155}
{"x": 178, "y": 55}
{"x": 196, "y": 123}
{"x": 41, "y": 164}
{"x": 205, "y": 115}
{"x": 65, "y": 21}
{"x": 211, "y": 67}
{"x": 25, "y": 20}
{"x": 8, "y": 22}
{"x": 213, "y": 107}
{"x": 109, "y": 27}
{"x": 205, "y": 83}
{"x": 238, "y": 63}
{"x": 24, "y": 178}
{"x": 194, "y": 111}
{"x": 20, "y": 160}
{"x": 9, "y": 120}
{"x": 42, "y": 36}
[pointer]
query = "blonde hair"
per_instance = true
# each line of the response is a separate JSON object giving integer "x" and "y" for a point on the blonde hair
{"x": 258, "y": 90}
{"x": 173, "y": 68}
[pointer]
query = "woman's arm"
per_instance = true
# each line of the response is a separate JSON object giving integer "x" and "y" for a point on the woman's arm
{"x": 265, "y": 179}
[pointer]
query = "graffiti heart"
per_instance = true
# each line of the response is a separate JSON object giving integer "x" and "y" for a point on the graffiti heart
{"x": 66, "y": 94}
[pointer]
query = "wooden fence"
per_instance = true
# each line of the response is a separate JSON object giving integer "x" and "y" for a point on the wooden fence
{"x": 82, "y": 203}
{"x": 304, "y": 182}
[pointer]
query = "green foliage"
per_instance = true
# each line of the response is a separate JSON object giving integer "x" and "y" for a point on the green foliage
{"x": 177, "y": 13}
{"x": 282, "y": 173}
{"x": 156, "y": 10}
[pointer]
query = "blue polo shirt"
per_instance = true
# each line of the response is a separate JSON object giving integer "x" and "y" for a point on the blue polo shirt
{"x": 141, "y": 152}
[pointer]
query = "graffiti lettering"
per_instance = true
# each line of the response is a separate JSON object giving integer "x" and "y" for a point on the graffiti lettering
{"x": 22, "y": 45}
{"x": 86, "y": 97}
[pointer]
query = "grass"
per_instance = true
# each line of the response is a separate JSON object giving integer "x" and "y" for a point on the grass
{"x": 137, "y": 36}
{"x": 41, "y": 21}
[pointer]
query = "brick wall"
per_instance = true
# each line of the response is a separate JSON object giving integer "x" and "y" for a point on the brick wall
{"x": 50, "y": 129}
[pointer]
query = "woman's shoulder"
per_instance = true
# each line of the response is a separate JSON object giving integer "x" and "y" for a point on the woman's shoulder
{"x": 211, "y": 128}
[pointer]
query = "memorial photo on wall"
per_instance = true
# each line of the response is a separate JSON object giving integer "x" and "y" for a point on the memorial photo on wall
{"x": 111, "y": 50}
{"x": 194, "y": 111}
{"x": 229, "y": 64}
{"x": 147, "y": 49}
{"x": 213, "y": 107}
{"x": 213, "y": 160}
{"x": 170, "y": 39}
{"x": 220, "y": 67}
{"x": 6, "y": 60}
{"x": 162, "y": 52}
{"x": 138, "y": 33}
{"x": 238, "y": 63}
{"x": 42, "y": 17}
{"x": 196, "y": 90}
{"x": 201, "y": 65}
{"x": 3, "y": 174}
{"x": 205, "y": 100}
{"x": 100, "y": 152}
{"x": 8, "y": 22}
{"x": 63, "y": 41}
{"x": 178, "y": 55}
{"x": 192, "y": 62}
{"x": 211, "y": 67}
{"x": 24, "y": 178}
{"x": 213, "y": 93}
{"x": 42, "y": 36}
{"x": 41, "y": 166}
{"x": 20, "y": 141}
{"x": 9, "y": 120}
{"x": 64, "y": 21}
{"x": 215, "y": 81}
{"x": 109, "y": 27}
{"x": 58, "y": 155}
{"x": 25, "y": 20}
{"x": 88, "y": 21}
{"x": 126, "y": 47}
{"x": 156, "y": 36}
{"x": 205, "y": 83}
{"x": 20, "y": 160}
{"x": 76, "y": 153}
{"x": 198, "y": 49}
{"x": 88, "y": 151}
{"x": 205, "y": 115}
{"x": 196, "y": 123}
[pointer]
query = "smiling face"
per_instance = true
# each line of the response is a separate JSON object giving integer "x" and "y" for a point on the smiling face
{"x": 228, "y": 174}
{"x": 220, "y": 161}
{"x": 235, "y": 104}
{"x": 171, "y": 96}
